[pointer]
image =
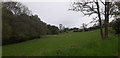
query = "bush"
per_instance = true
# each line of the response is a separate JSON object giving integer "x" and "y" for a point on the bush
{"x": 116, "y": 25}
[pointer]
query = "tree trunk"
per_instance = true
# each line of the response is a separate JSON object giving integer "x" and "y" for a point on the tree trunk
{"x": 106, "y": 18}
{"x": 100, "y": 21}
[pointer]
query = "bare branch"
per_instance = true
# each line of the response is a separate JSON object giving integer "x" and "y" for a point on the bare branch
{"x": 102, "y": 2}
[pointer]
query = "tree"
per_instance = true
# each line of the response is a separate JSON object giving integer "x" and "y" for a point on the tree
{"x": 100, "y": 20}
{"x": 106, "y": 17}
{"x": 93, "y": 7}
{"x": 66, "y": 30}
{"x": 60, "y": 26}
{"x": 89, "y": 8}
{"x": 115, "y": 23}
{"x": 76, "y": 29}
{"x": 52, "y": 29}
{"x": 7, "y": 34}
{"x": 116, "y": 26}
{"x": 55, "y": 30}
{"x": 16, "y": 8}
{"x": 18, "y": 27}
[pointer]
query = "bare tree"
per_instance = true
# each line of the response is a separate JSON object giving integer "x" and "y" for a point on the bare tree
{"x": 89, "y": 7}
{"x": 110, "y": 7}
{"x": 100, "y": 20}
{"x": 106, "y": 18}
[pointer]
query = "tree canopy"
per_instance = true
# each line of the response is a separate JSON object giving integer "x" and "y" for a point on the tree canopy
{"x": 20, "y": 25}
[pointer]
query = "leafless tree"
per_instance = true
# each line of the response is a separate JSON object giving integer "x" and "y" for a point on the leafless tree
{"x": 90, "y": 7}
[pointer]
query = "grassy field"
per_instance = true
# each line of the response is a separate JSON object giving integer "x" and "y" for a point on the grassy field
{"x": 67, "y": 44}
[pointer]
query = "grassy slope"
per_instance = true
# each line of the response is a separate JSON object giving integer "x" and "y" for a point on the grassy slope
{"x": 69, "y": 44}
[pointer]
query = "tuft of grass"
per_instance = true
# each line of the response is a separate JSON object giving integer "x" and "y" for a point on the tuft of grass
{"x": 67, "y": 44}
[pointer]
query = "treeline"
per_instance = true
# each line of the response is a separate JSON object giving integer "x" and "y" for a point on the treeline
{"x": 83, "y": 28}
{"x": 18, "y": 24}
{"x": 113, "y": 25}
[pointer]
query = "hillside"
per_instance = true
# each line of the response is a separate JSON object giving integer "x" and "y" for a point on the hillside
{"x": 67, "y": 44}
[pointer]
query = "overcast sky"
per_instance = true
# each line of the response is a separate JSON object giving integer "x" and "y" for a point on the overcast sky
{"x": 56, "y": 12}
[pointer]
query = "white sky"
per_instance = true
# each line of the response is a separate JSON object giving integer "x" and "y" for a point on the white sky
{"x": 56, "y": 12}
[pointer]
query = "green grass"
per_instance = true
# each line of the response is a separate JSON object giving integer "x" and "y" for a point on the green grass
{"x": 68, "y": 44}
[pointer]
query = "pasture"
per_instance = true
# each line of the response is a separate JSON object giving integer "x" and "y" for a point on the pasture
{"x": 66, "y": 44}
